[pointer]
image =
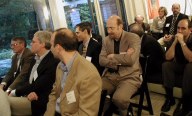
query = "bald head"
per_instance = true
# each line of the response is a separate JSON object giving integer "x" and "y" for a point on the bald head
{"x": 114, "y": 27}
{"x": 116, "y": 18}
{"x": 137, "y": 29}
{"x": 65, "y": 38}
{"x": 176, "y": 9}
{"x": 139, "y": 19}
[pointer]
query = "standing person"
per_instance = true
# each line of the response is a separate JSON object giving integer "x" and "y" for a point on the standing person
{"x": 120, "y": 57}
{"x": 77, "y": 89}
{"x": 170, "y": 26}
{"x": 21, "y": 60}
{"x": 90, "y": 48}
{"x": 158, "y": 23}
{"x": 33, "y": 95}
{"x": 179, "y": 58}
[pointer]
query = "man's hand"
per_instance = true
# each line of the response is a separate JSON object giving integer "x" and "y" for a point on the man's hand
{"x": 179, "y": 38}
{"x": 167, "y": 38}
{"x": 130, "y": 51}
{"x": 110, "y": 56}
{"x": 1, "y": 86}
{"x": 32, "y": 96}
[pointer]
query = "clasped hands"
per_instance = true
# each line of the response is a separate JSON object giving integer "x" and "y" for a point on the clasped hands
{"x": 178, "y": 38}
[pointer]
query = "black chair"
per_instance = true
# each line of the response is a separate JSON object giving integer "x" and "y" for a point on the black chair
{"x": 142, "y": 92}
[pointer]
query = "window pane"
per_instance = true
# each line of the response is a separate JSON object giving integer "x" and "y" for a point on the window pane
{"x": 78, "y": 11}
{"x": 17, "y": 18}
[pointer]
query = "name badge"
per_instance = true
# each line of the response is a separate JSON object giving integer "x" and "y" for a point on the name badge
{"x": 70, "y": 97}
{"x": 88, "y": 58}
{"x": 167, "y": 25}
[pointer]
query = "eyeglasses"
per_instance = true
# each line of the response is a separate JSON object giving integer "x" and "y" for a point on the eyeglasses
{"x": 13, "y": 45}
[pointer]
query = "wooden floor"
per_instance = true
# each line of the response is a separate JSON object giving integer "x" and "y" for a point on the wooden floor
{"x": 157, "y": 102}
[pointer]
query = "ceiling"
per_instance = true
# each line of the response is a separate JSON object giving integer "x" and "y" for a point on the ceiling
{"x": 7, "y": 7}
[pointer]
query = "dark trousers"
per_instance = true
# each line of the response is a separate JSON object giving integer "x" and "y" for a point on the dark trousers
{"x": 187, "y": 88}
{"x": 57, "y": 114}
{"x": 170, "y": 72}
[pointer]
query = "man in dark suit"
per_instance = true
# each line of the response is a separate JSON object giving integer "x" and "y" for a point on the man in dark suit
{"x": 170, "y": 26}
{"x": 150, "y": 47}
{"x": 20, "y": 65}
{"x": 90, "y": 48}
{"x": 40, "y": 79}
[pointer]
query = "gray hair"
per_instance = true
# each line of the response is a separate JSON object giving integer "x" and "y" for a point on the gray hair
{"x": 44, "y": 37}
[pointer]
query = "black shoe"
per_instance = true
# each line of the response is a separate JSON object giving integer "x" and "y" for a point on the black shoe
{"x": 167, "y": 105}
{"x": 179, "y": 113}
{"x": 178, "y": 109}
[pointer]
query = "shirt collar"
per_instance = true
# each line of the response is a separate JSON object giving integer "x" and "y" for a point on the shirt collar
{"x": 37, "y": 58}
{"x": 67, "y": 67}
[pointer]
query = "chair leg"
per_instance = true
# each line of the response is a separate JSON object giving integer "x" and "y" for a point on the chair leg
{"x": 102, "y": 102}
{"x": 150, "y": 108}
{"x": 140, "y": 107}
{"x": 130, "y": 110}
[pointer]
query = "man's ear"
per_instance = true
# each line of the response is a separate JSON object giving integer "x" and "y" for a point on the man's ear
{"x": 121, "y": 26}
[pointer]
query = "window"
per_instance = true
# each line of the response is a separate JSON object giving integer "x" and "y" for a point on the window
{"x": 17, "y": 18}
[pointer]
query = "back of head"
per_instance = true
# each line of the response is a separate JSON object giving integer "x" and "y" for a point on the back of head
{"x": 137, "y": 29}
{"x": 66, "y": 38}
{"x": 44, "y": 37}
{"x": 20, "y": 40}
{"x": 85, "y": 26}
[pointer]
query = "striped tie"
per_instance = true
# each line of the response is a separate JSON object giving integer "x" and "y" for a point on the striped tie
{"x": 84, "y": 51}
{"x": 171, "y": 31}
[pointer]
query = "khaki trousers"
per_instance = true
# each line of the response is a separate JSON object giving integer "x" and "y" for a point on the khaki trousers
{"x": 20, "y": 106}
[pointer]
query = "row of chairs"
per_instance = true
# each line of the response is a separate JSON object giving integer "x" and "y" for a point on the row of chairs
{"x": 142, "y": 92}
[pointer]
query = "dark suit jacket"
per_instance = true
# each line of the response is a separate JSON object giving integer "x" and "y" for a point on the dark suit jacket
{"x": 93, "y": 51}
{"x": 42, "y": 85}
{"x": 17, "y": 80}
{"x": 168, "y": 23}
{"x": 150, "y": 46}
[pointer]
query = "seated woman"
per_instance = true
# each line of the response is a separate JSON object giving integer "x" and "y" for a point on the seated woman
{"x": 158, "y": 23}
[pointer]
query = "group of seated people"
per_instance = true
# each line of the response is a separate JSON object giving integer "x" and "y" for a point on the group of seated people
{"x": 61, "y": 74}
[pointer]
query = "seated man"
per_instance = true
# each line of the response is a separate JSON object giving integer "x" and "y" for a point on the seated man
{"x": 179, "y": 58}
{"x": 40, "y": 80}
{"x": 77, "y": 89}
{"x": 150, "y": 47}
{"x": 120, "y": 57}
{"x": 90, "y": 48}
{"x": 139, "y": 20}
{"x": 21, "y": 60}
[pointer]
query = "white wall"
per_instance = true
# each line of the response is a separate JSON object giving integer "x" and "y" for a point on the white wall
{"x": 135, "y": 7}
